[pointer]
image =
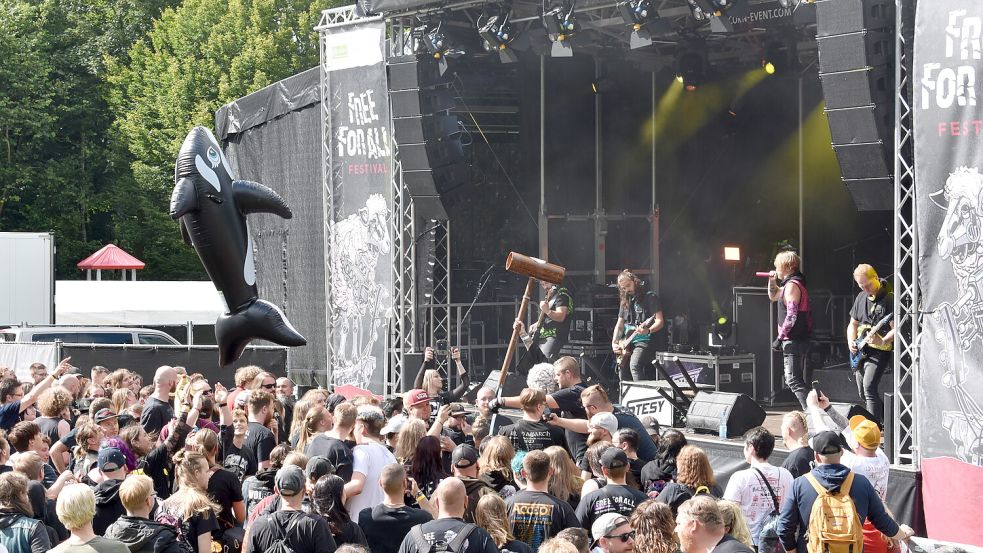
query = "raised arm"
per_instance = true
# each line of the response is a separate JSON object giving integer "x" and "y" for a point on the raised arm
{"x": 462, "y": 372}
{"x": 427, "y": 364}
{"x": 31, "y": 397}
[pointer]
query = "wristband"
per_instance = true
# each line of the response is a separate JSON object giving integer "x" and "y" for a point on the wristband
{"x": 828, "y": 407}
{"x": 223, "y": 404}
{"x": 421, "y": 498}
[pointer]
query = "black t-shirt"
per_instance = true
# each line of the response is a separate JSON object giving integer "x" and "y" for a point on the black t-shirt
{"x": 675, "y": 494}
{"x": 640, "y": 308}
{"x": 636, "y": 466}
{"x": 799, "y": 461}
{"x": 612, "y": 498}
{"x": 156, "y": 414}
{"x": 869, "y": 313}
{"x": 259, "y": 442}
{"x": 532, "y": 435}
{"x": 515, "y": 546}
{"x": 349, "y": 533}
{"x": 69, "y": 439}
{"x": 445, "y": 529}
{"x": 307, "y": 534}
{"x": 552, "y": 328}
{"x": 384, "y": 527}
{"x": 568, "y": 400}
{"x": 336, "y": 451}
{"x": 225, "y": 489}
{"x": 237, "y": 461}
{"x": 537, "y": 516}
{"x": 728, "y": 544}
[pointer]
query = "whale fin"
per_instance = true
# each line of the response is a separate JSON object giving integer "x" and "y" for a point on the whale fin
{"x": 253, "y": 197}
{"x": 184, "y": 233}
{"x": 184, "y": 198}
{"x": 261, "y": 320}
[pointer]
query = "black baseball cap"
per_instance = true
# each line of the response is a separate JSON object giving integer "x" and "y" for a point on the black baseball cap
{"x": 464, "y": 456}
{"x": 827, "y": 443}
{"x": 650, "y": 424}
{"x": 614, "y": 458}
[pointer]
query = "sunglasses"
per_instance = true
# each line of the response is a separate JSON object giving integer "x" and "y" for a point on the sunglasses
{"x": 268, "y": 386}
{"x": 623, "y": 537}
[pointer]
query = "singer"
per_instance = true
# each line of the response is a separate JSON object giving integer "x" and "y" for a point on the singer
{"x": 787, "y": 286}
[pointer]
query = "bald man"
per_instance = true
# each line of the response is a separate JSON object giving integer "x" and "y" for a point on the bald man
{"x": 451, "y": 500}
{"x": 157, "y": 410}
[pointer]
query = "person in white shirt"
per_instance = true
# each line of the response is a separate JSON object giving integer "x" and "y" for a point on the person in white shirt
{"x": 747, "y": 487}
{"x": 370, "y": 457}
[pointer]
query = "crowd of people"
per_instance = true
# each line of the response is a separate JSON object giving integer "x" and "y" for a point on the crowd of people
{"x": 103, "y": 464}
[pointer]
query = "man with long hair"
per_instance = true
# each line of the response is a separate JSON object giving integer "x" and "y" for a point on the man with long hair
{"x": 640, "y": 318}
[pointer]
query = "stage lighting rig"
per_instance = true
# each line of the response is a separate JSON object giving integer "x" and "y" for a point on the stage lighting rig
{"x": 643, "y": 19}
{"x": 793, "y": 3}
{"x": 714, "y": 11}
{"x": 561, "y": 24}
{"x": 691, "y": 68}
{"x": 496, "y": 31}
{"x": 435, "y": 41}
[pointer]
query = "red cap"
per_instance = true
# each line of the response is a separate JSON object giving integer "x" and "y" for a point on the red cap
{"x": 415, "y": 397}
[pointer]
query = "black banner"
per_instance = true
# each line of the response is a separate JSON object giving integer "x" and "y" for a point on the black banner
{"x": 360, "y": 254}
{"x": 948, "y": 123}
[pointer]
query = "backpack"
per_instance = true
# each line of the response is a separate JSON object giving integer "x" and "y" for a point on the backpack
{"x": 767, "y": 538}
{"x": 456, "y": 545}
{"x": 279, "y": 545}
{"x": 181, "y": 537}
{"x": 834, "y": 525}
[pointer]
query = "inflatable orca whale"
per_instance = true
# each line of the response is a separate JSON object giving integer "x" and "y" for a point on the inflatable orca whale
{"x": 212, "y": 207}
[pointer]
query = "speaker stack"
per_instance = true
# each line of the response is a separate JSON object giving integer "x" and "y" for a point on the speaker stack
{"x": 428, "y": 136}
{"x": 709, "y": 409}
{"x": 856, "y": 66}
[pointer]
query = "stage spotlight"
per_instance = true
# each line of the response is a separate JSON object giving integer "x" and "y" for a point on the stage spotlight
{"x": 561, "y": 24}
{"x": 722, "y": 332}
{"x": 691, "y": 68}
{"x": 780, "y": 57}
{"x": 768, "y": 67}
{"x": 496, "y": 31}
{"x": 437, "y": 44}
{"x": 793, "y": 3}
{"x": 643, "y": 19}
{"x": 732, "y": 253}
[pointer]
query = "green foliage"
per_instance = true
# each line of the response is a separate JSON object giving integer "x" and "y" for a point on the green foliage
{"x": 97, "y": 95}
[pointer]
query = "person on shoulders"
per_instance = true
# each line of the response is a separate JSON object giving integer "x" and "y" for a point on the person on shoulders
{"x": 75, "y": 507}
{"x": 760, "y": 489}
{"x": 300, "y": 531}
{"x": 700, "y": 527}
{"x": 449, "y": 527}
{"x": 385, "y": 524}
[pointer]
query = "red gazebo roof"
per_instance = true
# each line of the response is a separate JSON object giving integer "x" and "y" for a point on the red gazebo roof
{"x": 111, "y": 256}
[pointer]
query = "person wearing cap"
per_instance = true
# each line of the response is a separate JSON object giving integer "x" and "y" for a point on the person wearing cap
{"x": 626, "y": 439}
{"x": 457, "y": 427}
{"x": 464, "y": 464}
{"x": 652, "y": 427}
{"x": 612, "y": 533}
{"x": 108, "y": 420}
{"x": 700, "y": 528}
{"x": 301, "y": 532}
{"x": 616, "y": 496}
{"x": 601, "y": 428}
{"x": 429, "y": 380}
{"x": 531, "y": 433}
{"x": 331, "y": 443}
{"x": 595, "y": 400}
{"x": 831, "y": 474}
{"x": 370, "y": 456}
{"x": 112, "y": 467}
{"x": 417, "y": 404}
{"x": 536, "y": 515}
{"x": 385, "y": 524}
{"x": 566, "y": 400}
{"x": 747, "y": 487}
{"x": 451, "y": 500}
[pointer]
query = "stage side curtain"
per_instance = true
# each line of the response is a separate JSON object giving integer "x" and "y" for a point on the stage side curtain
{"x": 948, "y": 129}
{"x": 359, "y": 152}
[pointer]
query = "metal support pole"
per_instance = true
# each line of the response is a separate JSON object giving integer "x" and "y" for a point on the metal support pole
{"x": 654, "y": 279}
{"x": 802, "y": 243}
{"x": 600, "y": 224}
{"x": 544, "y": 233}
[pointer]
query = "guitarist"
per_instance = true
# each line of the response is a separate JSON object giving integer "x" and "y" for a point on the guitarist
{"x": 556, "y": 309}
{"x": 638, "y": 306}
{"x": 873, "y": 303}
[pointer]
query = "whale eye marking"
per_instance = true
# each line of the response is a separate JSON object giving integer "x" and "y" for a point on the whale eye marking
{"x": 214, "y": 157}
{"x": 205, "y": 171}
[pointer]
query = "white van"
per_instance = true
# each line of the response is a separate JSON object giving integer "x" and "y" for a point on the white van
{"x": 87, "y": 335}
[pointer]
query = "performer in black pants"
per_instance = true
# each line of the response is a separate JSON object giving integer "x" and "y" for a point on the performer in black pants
{"x": 873, "y": 303}
{"x": 640, "y": 318}
{"x": 556, "y": 322}
{"x": 787, "y": 286}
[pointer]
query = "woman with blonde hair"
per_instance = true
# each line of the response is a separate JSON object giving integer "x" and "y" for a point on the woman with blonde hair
{"x": 490, "y": 513}
{"x": 86, "y": 451}
{"x": 301, "y": 408}
{"x": 565, "y": 482}
{"x": 406, "y": 441}
{"x": 190, "y": 507}
{"x": 317, "y": 420}
{"x": 735, "y": 523}
{"x": 694, "y": 476}
{"x": 655, "y": 527}
{"x": 495, "y": 465}
{"x": 429, "y": 380}
{"x": 223, "y": 485}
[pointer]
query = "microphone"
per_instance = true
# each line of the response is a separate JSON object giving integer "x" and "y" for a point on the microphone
{"x": 763, "y": 274}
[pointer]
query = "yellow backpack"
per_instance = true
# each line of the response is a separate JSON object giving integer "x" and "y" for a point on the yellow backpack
{"x": 834, "y": 525}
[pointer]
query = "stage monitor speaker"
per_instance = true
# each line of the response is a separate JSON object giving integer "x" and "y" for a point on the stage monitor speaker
{"x": 850, "y": 410}
{"x": 406, "y": 72}
{"x": 856, "y": 69}
{"x": 708, "y": 409}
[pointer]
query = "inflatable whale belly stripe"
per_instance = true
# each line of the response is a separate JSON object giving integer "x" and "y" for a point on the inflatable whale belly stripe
{"x": 212, "y": 207}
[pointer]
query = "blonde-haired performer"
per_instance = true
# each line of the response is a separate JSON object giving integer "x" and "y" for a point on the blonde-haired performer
{"x": 787, "y": 286}
{"x": 874, "y": 302}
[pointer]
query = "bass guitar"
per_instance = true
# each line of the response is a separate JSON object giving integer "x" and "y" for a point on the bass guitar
{"x": 864, "y": 340}
{"x": 626, "y": 345}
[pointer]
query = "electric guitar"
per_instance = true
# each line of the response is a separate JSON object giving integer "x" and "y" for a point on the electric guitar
{"x": 864, "y": 340}
{"x": 626, "y": 344}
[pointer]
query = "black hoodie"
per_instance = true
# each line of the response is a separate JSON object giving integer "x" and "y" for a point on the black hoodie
{"x": 109, "y": 507}
{"x": 258, "y": 487}
{"x": 476, "y": 488}
{"x": 142, "y": 535}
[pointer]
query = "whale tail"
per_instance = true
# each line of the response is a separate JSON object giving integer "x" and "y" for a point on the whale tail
{"x": 261, "y": 320}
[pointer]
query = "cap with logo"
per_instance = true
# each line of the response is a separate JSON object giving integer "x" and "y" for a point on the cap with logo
{"x": 415, "y": 397}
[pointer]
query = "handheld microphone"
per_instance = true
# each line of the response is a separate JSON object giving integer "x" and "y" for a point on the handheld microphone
{"x": 762, "y": 274}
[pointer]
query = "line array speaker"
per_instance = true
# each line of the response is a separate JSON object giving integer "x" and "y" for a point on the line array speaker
{"x": 856, "y": 67}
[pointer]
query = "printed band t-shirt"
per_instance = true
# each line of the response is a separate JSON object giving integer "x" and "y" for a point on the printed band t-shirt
{"x": 537, "y": 516}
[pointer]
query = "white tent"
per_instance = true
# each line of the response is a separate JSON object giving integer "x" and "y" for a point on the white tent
{"x": 110, "y": 302}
